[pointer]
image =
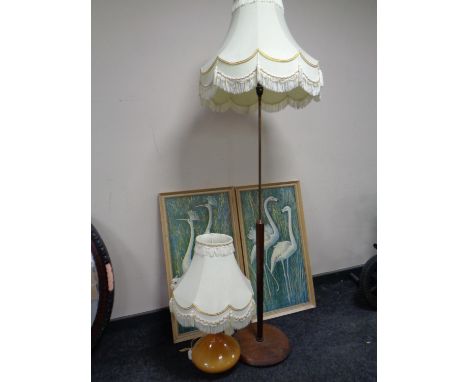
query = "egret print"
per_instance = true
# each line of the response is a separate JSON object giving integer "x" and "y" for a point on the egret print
{"x": 192, "y": 217}
{"x": 288, "y": 283}
{"x": 284, "y": 250}
{"x": 271, "y": 236}
{"x": 211, "y": 202}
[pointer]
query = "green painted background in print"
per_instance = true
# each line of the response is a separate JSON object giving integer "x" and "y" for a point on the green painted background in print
{"x": 177, "y": 207}
{"x": 275, "y": 286}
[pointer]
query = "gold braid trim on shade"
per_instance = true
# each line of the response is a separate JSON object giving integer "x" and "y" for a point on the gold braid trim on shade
{"x": 265, "y": 55}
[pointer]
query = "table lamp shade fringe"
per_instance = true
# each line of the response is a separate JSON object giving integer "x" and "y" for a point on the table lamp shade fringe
{"x": 240, "y": 3}
{"x": 227, "y": 320}
{"x": 214, "y": 251}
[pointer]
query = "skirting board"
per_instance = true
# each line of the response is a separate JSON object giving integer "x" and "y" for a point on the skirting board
{"x": 327, "y": 277}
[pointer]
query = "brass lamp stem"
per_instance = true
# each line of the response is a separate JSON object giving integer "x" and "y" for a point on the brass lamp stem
{"x": 259, "y": 226}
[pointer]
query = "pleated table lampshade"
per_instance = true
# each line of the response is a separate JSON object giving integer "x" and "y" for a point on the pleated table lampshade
{"x": 213, "y": 295}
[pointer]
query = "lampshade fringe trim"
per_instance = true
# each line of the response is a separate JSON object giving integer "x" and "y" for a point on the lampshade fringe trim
{"x": 274, "y": 83}
{"x": 271, "y": 108}
{"x": 215, "y": 251}
{"x": 248, "y": 83}
{"x": 240, "y": 3}
{"x": 225, "y": 321}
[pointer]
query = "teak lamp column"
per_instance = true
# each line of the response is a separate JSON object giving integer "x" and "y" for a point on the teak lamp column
{"x": 260, "y": 66}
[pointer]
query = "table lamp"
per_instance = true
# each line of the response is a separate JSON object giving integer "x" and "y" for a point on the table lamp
{"x": 260, "y": 66}
{"x": 214, "y": 296}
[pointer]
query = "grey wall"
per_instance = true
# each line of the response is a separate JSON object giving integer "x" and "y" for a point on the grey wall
{"x": 150, "y": 134}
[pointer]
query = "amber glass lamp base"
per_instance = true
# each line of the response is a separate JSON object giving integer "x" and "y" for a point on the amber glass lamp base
{"x": 215, "y": 353}
{"x": 272, "y": 350}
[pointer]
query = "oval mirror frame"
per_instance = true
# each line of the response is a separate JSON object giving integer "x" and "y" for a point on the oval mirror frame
{"x": 106, "y": 286}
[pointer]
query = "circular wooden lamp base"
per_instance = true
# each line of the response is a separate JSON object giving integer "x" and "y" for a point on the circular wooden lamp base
{"x": 215, "y": 353}
{"x": 273, "y": 349}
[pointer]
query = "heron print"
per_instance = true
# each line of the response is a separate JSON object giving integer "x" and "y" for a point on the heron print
{"x": 288, "y": 282}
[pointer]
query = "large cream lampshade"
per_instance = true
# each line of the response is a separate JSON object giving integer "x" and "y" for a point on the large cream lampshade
{"x": 259, "y": 48}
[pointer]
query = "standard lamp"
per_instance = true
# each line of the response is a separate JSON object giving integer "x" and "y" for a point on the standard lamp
{"x": 260, "y": 66}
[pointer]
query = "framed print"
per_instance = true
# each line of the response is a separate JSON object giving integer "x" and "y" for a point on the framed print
{"x": 184, "y": 215}
{"x": 288, "y": 285}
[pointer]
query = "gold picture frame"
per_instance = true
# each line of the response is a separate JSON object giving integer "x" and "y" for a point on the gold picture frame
{"x": 281, "y": 296}
{"x": 213, "y": 208}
